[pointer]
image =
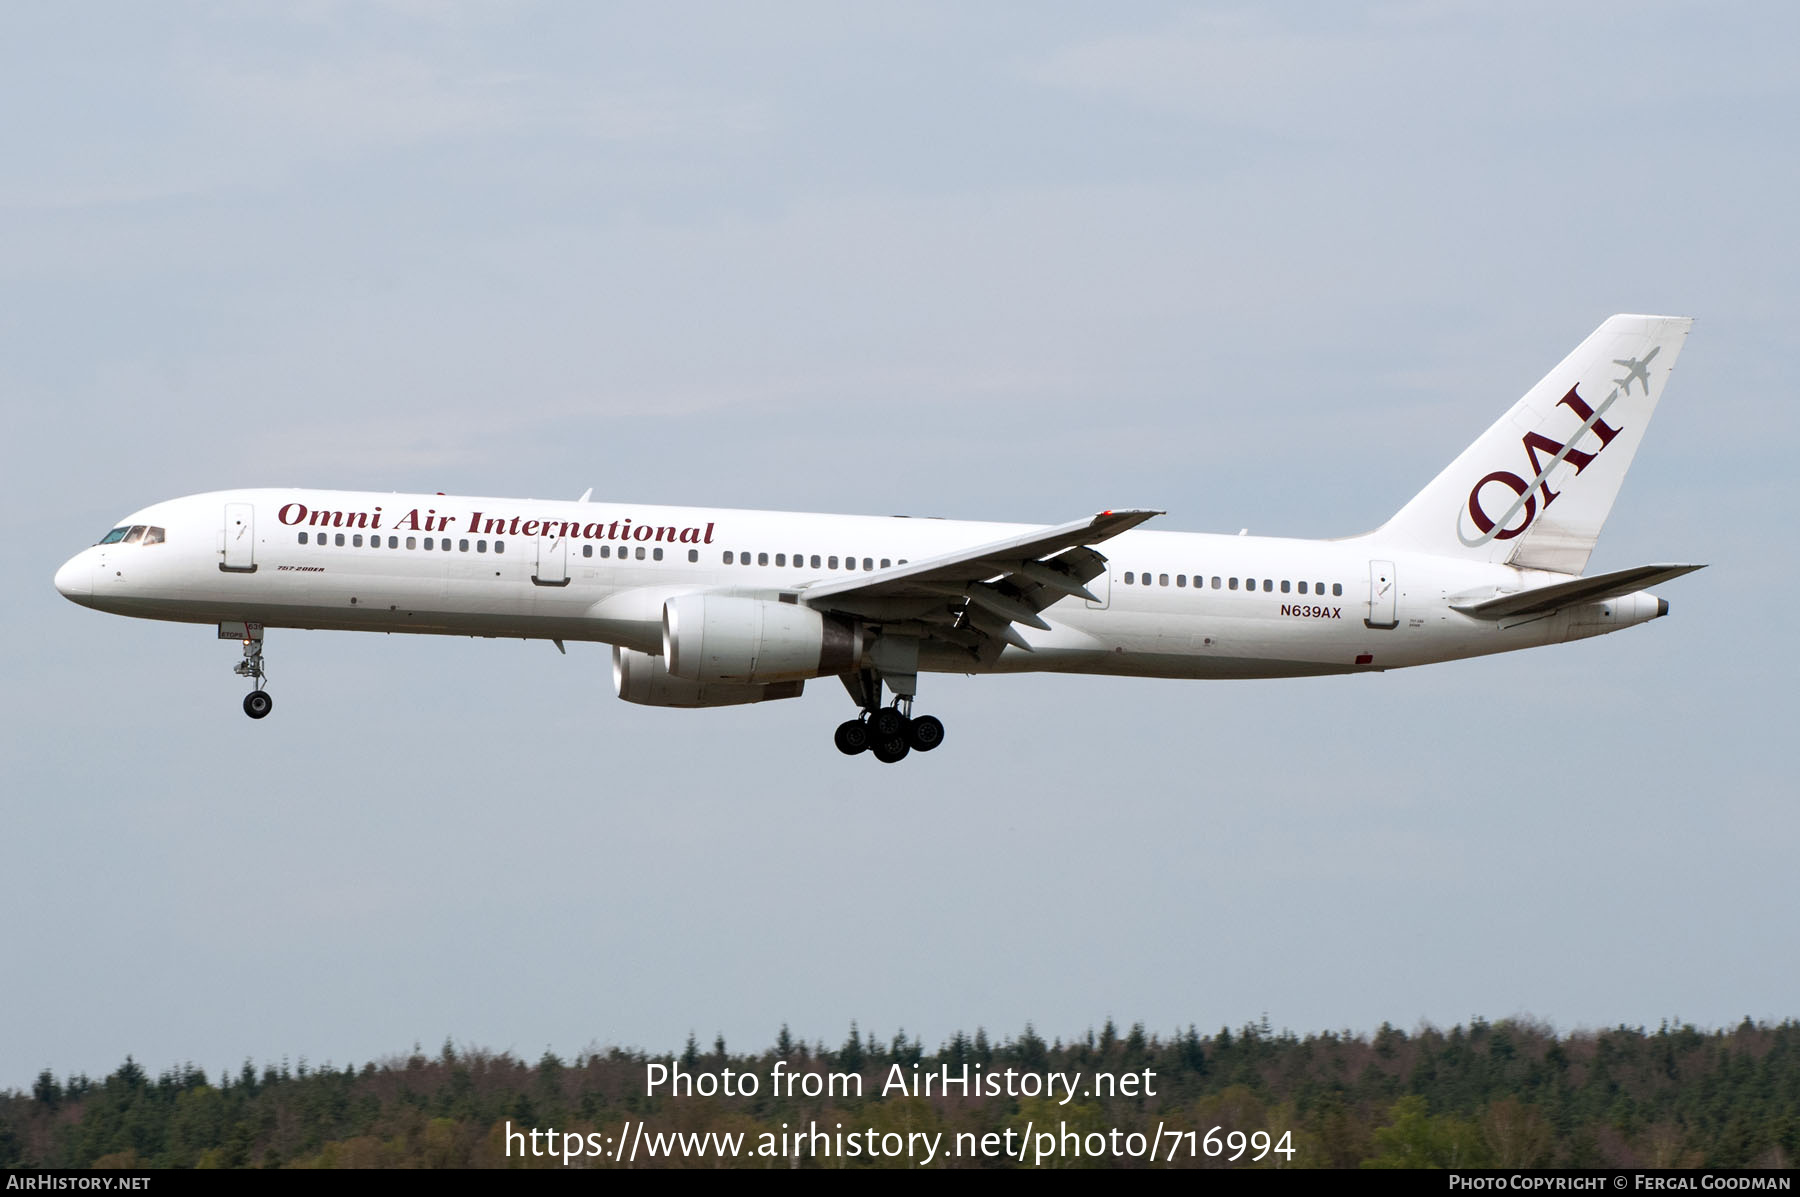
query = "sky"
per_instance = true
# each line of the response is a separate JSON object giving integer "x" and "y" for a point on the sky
{"x": 1257, "y": 266}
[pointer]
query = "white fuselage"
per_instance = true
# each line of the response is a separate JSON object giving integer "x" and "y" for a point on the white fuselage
{"x": 1169, "y": 604}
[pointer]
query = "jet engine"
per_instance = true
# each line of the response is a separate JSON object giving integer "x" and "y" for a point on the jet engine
{"x": 641, "y": 678}
{"x": 720, "y": 638}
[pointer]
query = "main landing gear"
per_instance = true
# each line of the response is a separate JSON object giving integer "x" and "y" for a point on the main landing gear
{"x": 888, "y": 733}
{"x": 257, "y": 703}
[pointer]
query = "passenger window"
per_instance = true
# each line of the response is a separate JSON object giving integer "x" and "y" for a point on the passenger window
{"x": 885, "y": 563}
{"x": 693, "y": 555}
{"x": 832, "y": 560}
{"x": 1180, "y": 581}
{"x": 1303, "y": 588}
{"x": 339, "y": 538}
{"x": 1268, "y": 585}
{"x": 729, "y": 559}
{"x": 815, "y": 562}
{"x": 640, "y": 552}
{"x": 781, "y": 559}
{"x": 462, "y": 546}
{"x": 656, "y": 554}
{"x": 606, "y": 550}
{"x": 587, "y": 550}
{"x": 1215, "y": 581}
{"x": 499, "y": 546}
{"x": 1130, "y": 577}
{"x": 1318, "y": 588}
{"x": 430, "y": 543}
{"x": 762, "y": 558}
{"x": 868, "y": 564}
{"x": 153, "y": 535}
{"x": 1162, "y": 579}
{"x": 1234, "y": 583}
{"x": 412, "y": 542}
{"x": 303, "y": 538}
{"x": 1337, "y": 588}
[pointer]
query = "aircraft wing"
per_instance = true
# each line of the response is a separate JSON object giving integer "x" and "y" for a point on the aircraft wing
{"x": 1542, "y": 600}
{"x": 972, "y": 597}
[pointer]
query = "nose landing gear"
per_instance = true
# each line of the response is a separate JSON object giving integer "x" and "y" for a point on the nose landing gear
{"x": 257, "y": 703}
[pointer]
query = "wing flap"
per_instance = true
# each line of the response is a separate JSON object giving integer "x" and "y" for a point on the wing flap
{"x": 981, "y": 562}
{"x": 973, "y": 597}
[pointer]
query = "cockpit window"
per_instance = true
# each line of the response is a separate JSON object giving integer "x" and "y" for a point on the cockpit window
{"x": 134, "y": 534}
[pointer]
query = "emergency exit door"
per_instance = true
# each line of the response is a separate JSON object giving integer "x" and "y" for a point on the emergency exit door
{"x": 552, "y": 561}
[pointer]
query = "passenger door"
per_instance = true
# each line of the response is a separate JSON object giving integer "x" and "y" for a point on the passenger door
{"x": 239, "y": 537}
{"x": 1383, "y": 592}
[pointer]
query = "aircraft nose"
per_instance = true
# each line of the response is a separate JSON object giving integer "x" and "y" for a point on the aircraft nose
{"x": 75, "y": 580}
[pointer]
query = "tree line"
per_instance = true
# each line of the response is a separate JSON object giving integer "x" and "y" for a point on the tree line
{"x": 1510, "y": 1094}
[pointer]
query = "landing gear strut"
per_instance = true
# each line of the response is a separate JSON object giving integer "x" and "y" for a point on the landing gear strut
{"x": 257, "y": 703}
{"x": 888, "y": 733}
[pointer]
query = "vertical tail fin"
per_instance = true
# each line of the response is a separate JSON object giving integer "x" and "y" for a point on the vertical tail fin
{"x": 1535, "y": 489}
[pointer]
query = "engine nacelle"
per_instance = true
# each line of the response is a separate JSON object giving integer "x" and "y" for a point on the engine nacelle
{"x": 719, "y": 638}
{"x": 641, "y": 678}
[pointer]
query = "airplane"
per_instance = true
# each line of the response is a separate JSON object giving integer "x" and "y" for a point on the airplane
{"x": 707, "y": 607}
{"x": 1635, "y": 371}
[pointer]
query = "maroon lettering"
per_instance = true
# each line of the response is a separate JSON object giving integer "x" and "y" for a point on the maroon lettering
{"x": 1518, "y": 488}
{"x": 1602, "y": 429}
{"x": 528, "y": 528}
{"x": 1552, "y": 451}
{"x": 298, "y": 516}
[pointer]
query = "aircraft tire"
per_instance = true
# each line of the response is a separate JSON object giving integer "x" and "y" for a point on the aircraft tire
{"x": 851, "y": 737}
{"x": 257, "y": 704}
{"x": 891, "y": 751}
{"x": 886, "y": 723}
{"x": 925, "y": 733}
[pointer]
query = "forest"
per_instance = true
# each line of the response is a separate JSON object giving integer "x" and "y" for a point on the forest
{"x": 1508, "y": 1094}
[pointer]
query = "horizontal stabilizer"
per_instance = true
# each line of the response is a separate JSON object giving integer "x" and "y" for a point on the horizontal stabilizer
{"x": 1542, "y": 600}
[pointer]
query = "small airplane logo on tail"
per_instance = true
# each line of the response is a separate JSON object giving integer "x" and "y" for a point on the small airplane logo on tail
{"x": 1635, "y": 371}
